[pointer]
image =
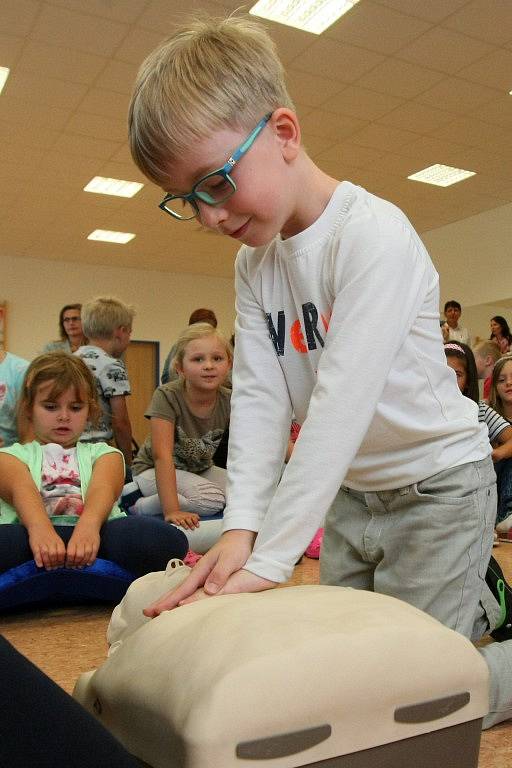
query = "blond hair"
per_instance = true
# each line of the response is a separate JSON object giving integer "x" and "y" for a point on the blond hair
{"x": 65, "y": 371}
{"x": 209, "y": 75}
{"x": 487, "y": 349}
{"x": 194, "y": 332}
{"x": 104, "y": 315}
{"x": 495, "y": 400}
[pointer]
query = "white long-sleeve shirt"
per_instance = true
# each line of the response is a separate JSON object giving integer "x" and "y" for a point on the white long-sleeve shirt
{"x": 339, "y": 324}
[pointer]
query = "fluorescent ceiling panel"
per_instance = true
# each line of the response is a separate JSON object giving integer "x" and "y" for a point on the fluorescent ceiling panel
{"x": 441, "y": 175}
{"x": 310, "y": 15}
{"x": 117, "y": 187}
{"x": 4, "y": 74}
{"x": 106, "y": 236}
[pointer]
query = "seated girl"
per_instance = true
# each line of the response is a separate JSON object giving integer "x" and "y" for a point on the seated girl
{"x": 461, "y": 359}
{"x": 58, "y": 495}
{"x": 500, "y": 398}
{"x": 174, "y": 470}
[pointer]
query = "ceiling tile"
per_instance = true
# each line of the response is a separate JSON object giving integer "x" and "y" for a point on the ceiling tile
{"x": 10, "y": 49}
{"x": 50, "y": 92}
{"x": 457, "y": 95}
{"x": 362, "y": 103}
{"x": 310, "y": 89}
{"x": 118, "y": 76}
{"x": 117, "y": 10}
{"x": 138, "y": 44}
{"x": 329, "y": 125}
{"x": 97, "y": 126}
{"x": 107, "y": 103}
{"x": 396, "y": 165}
{"x": 473, "y": 133}
{"x": 416, "y": 117}
{"x": 339, "y": 156}
{"x": 88, "y": 146}
{"x": 314, "y": 145}
{"x": 326, "y": 57}
{"x": 18, "y": 16}
{"x": 22, "y": 112}
{"x": 445, "y": 50}
{"x": 494, "y": 70}
{"x": 163, "y": 16}
{"x": 382, "y": 137}
{"x": 60, "y": 26}
{"x": 123, "y": 154}
{"x": 489, "y": 163}
{"x": 340, "y": 81}
{"x": 400, "y": 78}
{"x": 431, "y": 10}
{"x": 489, "y": 20}
{"x": 377, "y": 28}
{"x": 26, "y": 136}
{"x": 56, "y": 61}
{"x": 290, "y": 42}
{"x": 127, "y": 171}
{"x": 498, "y": 111}
{"x": 427, "y": 151}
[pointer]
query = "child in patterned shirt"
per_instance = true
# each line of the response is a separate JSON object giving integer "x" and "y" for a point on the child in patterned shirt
{"x": 58, "y": 495}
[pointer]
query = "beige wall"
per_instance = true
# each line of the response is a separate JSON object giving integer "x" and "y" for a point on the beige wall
{"x": 473, "y": 258}
{"x": 35, "y": 290}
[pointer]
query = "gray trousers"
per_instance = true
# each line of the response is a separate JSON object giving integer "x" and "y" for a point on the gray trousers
{"x": 428, "y": 544}
{"x": 203, "y": 494}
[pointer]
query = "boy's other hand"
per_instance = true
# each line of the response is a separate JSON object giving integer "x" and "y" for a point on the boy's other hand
{"x": 187, "y": 520}
{"x": 212, "y": 571}
{"x": 241, "y": 581}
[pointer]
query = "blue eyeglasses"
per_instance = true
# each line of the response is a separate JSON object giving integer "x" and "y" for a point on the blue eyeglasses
{"x": 214, "y": 188}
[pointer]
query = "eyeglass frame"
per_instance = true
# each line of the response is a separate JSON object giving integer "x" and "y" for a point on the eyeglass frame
{"x": 223, "y": 171}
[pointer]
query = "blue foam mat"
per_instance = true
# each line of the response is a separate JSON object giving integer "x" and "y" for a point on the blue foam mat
{"x": 26, "y": 584}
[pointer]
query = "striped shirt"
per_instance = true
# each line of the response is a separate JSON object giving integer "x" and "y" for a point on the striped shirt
{"x": 495, "y": 423}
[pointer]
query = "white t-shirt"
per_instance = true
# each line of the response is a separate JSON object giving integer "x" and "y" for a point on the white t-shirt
{"x": 339, "y": 325}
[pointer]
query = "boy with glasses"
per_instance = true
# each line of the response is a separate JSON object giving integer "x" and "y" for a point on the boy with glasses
{"x": 388, "y": 448}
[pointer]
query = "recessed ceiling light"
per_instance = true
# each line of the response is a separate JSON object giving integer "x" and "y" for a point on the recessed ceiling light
{"x": 310, "y": 15}
{"x": 441, "y": 175}
{"x": 4, "y": 74}
{"x": 118, "y": 187}
{"x": 107, "y": 236}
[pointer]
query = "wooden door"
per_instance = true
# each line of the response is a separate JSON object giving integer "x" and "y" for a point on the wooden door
{"x": 143, "y": 364}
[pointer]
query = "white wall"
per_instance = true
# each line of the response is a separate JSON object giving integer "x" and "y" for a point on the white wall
{"x": 473, "y": 258}
{"x": 35, "y": 290}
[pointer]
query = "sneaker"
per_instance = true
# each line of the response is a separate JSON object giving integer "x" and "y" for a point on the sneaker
{"x": 313, "y": 550}
{"x": 191, "y": 558}
{"x": 503, "y": 593}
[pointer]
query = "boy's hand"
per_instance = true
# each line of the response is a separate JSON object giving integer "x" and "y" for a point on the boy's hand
{"x": 213, "y": 570}
{"x": 241, "y": 581}
{"x": 83, "y": 546}
{"x": 187, "y": 520}
{"x": 47, "y": 546}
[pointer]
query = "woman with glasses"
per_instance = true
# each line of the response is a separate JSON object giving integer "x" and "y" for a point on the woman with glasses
{"x": 70, "y": 330}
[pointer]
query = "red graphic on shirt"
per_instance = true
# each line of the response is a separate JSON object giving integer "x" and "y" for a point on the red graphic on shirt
{"x": 305, "y": 336}
{"x": 3, "y": 392}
